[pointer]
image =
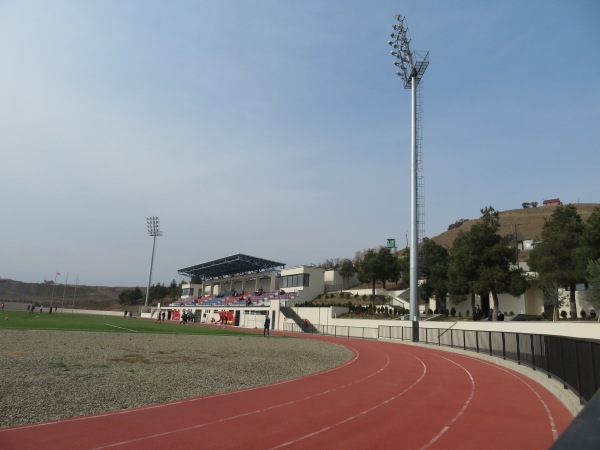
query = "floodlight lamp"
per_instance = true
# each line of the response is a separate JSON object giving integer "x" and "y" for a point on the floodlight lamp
{"x": 391, "y": 43}
{"x": 394, "y": 53}
{"x": 398, "y": 17}
{"x": 400, "y": 74}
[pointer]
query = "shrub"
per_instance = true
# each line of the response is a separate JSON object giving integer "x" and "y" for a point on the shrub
{"x": 356, "y": 295}
{"x": 563, "y": 314}
{"x": 583, "y": 314}
{"x": 511, "y": 313}
{"x": 429, "y": 311}
{"x": 544, "y": 315}
{"x": 593, "y": 314}
{"x": 453, "y": 311}
{"x": 459, "y": 314}
{"x": 435, "y": 311}
{"x": 447, "y": 313}
{"x": 468, "y": 313}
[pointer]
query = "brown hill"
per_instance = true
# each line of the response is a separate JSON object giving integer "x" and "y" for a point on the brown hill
{"x": 82, "y": 297}
{"x": 528, "y": 222}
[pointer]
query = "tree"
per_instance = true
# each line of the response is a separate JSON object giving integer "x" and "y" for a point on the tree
{"x": 434, "y": 267}
{"x": 346, "y": 271}
{"x": 483, "y": 262}
{"x": 592, "y": 294}
{"x": 559, "y": 257}
{"x": 590, "y": 239}
{"x": 553, "y": 299}
{"x": 175, "y": 290}
{"x": 158, "y": 292}
{"x": 377, "y": 266}
{"x": 462, "y": 269}
{"x": 367, "y": 269}
{"x": 131, "y": 296}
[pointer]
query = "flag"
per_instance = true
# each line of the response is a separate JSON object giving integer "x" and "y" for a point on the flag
{"x": 57, "y": 273}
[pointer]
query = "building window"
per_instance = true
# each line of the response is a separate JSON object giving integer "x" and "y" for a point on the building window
{"x": 290, "y": 281}
{"x": 188, "y": 292}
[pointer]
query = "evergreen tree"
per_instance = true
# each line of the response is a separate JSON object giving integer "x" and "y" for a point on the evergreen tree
{"x": 483, "y": 262}
{"x": 434, "y": 268}
{"x": 346, "y": 271}
{"x": 559, "y": 257}
{"x": 592, "y": 295}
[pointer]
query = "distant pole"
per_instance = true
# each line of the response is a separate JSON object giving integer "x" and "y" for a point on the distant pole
{"x": 74, "y": 292}
{"x": 411, "y": 67}
{"x": 53, "y": 286}
{"x": 64, "y": 292}
{"x": 153, "y": 231}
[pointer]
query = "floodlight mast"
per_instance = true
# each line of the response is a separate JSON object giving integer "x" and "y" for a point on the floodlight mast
{"x": 411, "y": 67}
{"x": 154, "y": 232}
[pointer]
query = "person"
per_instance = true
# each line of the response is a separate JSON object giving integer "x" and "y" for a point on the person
{"x": 306, "y": 324}
{"x": 2, "y": 306}
{"x": 125, "y": 314}
{"x": 41, "y": 309}
{"x": 477, "y": 314}
{"x": 491, "y": 315}
{"x": 163, "y": 316}
{"x": 158, "y": 317}
{"x": 500, "y": 316}
{"x": 50, "y": 310}
{"x": 28, "y": 308}
{"x": 267, "y": 325}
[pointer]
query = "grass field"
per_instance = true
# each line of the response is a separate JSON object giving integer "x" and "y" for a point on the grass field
{"x": 22, "y": 320}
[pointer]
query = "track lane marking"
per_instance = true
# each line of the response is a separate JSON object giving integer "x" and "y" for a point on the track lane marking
{"x": 178, "y": 402}
{"x": 259, "y": 411}
{"x": 361, "y": 413}
{"x": 122, "y": 328}
{"x": 461, "y": 412}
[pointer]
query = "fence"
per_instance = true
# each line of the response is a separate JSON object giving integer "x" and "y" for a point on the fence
{"x": 574, "y": 362}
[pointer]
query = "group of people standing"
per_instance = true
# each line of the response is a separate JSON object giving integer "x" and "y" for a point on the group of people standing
{"x": 478, "y": 314}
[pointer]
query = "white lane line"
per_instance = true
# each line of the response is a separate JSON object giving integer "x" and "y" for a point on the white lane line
{"x": 361, "y": 413}
{"x": 522, "y": 380}
{"x": 460, "y": 413}
{"x": 179, "y": 402}
{"x": 128, "y": 329}
{"x": 259, "y": 411}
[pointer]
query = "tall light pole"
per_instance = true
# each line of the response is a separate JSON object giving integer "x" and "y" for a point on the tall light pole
{"x": 411, "y": 67}
{"x": 154, "y": 232}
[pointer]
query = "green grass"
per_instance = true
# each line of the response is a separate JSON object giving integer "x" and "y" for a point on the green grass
{"x": 22, "y": 320}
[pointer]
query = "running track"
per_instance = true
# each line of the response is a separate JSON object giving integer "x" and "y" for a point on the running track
{"x": 388, "y": 396}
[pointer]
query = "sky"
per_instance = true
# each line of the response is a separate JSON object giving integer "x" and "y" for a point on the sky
{"x": 277, "y": 128}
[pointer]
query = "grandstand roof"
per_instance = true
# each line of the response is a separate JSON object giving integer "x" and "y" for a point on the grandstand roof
{"x": 230, "y": 266}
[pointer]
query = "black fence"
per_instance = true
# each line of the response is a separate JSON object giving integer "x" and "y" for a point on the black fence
{"x": 574, "y": 362}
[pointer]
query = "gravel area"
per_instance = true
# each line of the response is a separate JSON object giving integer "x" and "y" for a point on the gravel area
{"x": 46, "y": 375}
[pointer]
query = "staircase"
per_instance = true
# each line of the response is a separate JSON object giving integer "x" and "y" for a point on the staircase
{"x": 291, "y": 314}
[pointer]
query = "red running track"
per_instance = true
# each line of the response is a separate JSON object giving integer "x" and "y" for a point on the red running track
{"x": 388, "y": 396}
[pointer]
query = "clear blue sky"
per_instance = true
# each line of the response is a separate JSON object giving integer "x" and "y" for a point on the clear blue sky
{"x": 277, "y": 128}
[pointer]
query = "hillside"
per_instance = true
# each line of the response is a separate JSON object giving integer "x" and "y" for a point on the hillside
{"x": 529, "y": 222}
{"x": 84, "y": 297}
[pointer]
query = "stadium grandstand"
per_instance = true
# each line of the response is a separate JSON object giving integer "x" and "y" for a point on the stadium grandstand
{"x": 242, "y": 289}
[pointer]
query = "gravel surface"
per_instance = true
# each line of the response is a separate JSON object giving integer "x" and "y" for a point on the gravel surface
{"x": 46, "y": 375}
